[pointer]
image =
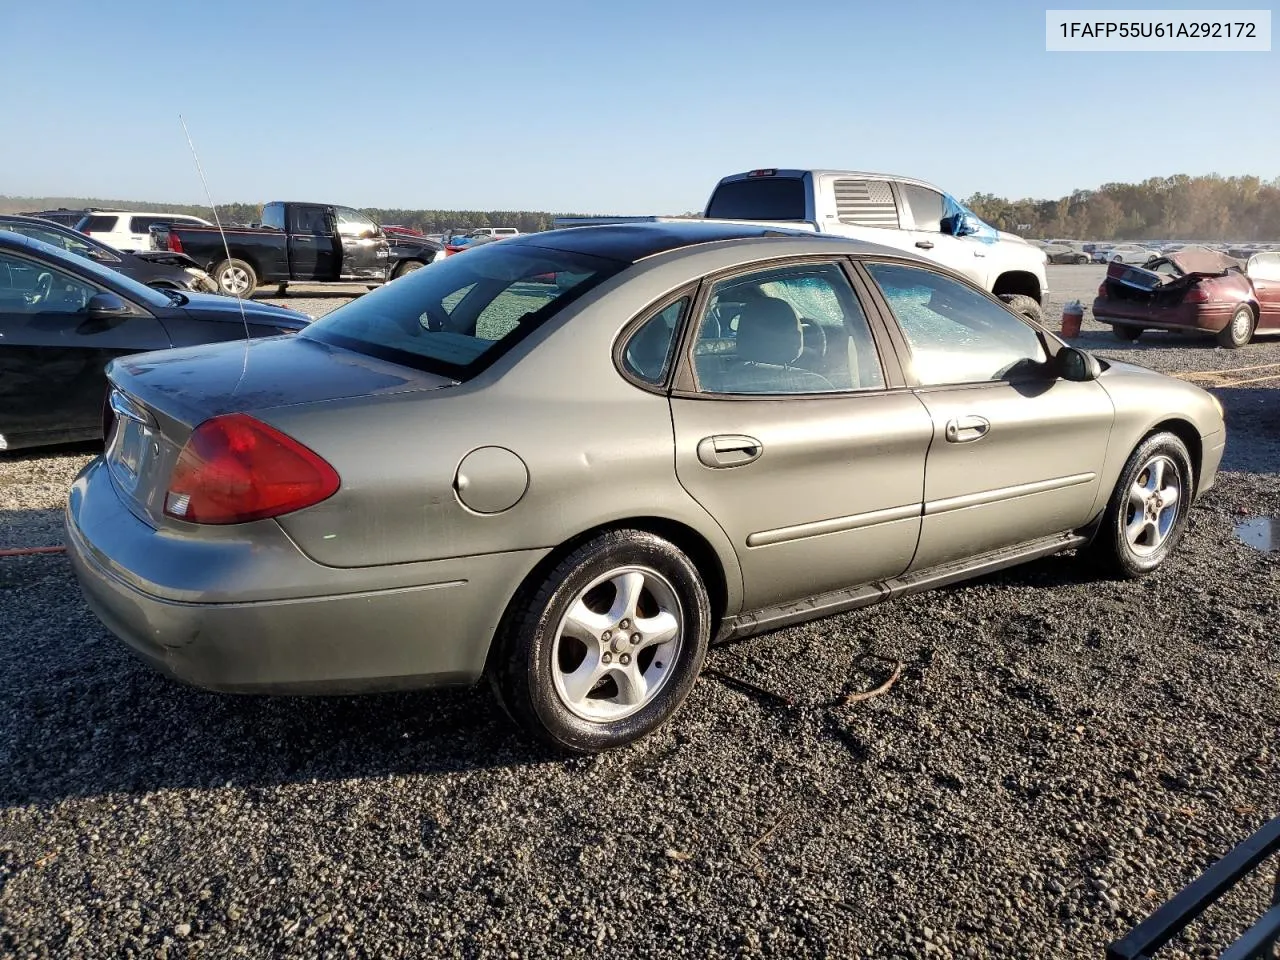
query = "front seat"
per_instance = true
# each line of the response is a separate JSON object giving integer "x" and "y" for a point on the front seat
{"x": 770, "y": 340}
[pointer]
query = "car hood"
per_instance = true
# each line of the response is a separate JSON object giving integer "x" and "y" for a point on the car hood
{"x": 1202, "y": 260}
{"x": 212, "y": 306}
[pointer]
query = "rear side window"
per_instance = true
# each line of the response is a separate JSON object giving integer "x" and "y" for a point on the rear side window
{"x": 866, "y": 203}
{"x": 647, "y": 355}
{"x": 759, "y": 198}
{"x": 97, "y": 224}
{"x": 309, "y": 220}
{"x": 143, "y": 224}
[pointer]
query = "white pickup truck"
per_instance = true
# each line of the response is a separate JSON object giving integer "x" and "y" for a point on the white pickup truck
{"x": 880, "y": 208}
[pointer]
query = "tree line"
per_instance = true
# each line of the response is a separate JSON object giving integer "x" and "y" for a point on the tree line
{"x": 1209, "y": 208}
{"x": 1181, "y": 207}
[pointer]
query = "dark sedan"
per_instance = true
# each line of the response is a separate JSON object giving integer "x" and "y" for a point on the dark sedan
{"x": 160, "y": 269}
{"x": 64, "y": 317}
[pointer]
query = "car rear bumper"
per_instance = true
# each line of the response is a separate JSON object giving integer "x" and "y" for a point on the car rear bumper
{"x": 337, "y": 630}
{"x": 1201, "y": 317}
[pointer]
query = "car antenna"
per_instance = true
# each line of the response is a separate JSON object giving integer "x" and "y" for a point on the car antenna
{"x": 226, "y": 248}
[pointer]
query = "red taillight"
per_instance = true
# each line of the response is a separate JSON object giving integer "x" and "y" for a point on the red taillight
{"x": 1196, "y": 295}
{"x": 1102, "y": 289}
{"x": 234, "y": 468}
{"x": 175, "y": 243}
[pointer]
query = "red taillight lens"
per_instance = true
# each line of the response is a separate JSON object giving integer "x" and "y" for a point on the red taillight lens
{"x": 1196, "y": 295}
{"x": 175, "y": 243}
{"x": 234, "y": 468}
{"x": 1102, "y": 289}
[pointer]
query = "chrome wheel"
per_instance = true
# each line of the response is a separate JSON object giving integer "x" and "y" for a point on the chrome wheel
{"x": 234, "y": 280}
{"x": 1152, "y": 509}
{"x": 1241, "y": 325}
{"x": 618, "y": 643}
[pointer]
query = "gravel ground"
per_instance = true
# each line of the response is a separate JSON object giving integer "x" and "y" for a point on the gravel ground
{"x": 1059, "y": 755}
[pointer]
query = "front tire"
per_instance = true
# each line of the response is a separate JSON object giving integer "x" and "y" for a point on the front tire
{"x": 407, "y": 267}
{"x": 235, "y": 278}
{"x": 1147, "y": 514}
{"x": 1020, "y": 303}
{"x": 1239, "y": 331}
{"x": 1081, "y": 259}
{"x": 606, "y": 647}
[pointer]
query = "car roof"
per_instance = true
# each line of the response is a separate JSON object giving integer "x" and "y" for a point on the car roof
{"x": 13, "y": 241}
{"x": 36, "y": 222}
{"x": 784, "y": 173}
{"x": 631, "y": 242}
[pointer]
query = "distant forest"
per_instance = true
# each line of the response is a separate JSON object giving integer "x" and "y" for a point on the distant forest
{"x": 1181, "y": 207}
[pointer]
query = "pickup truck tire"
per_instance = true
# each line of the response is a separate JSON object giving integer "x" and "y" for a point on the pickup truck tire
{"x": 282, "y": 290}
{"x": 235, "y": 278}
{"x": 407, "y": 267}
{"x": 1020, "y": 303}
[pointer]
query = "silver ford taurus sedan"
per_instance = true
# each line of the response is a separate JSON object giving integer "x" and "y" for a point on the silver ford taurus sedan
{"x": 569, "y": 461}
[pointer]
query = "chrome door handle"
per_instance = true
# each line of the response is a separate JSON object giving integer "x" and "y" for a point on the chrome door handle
{"x": 728, "y": 450}
{"x": 967, "y": 429}
{"x": 304, "y": 239}
{"x": 924, "y": 244}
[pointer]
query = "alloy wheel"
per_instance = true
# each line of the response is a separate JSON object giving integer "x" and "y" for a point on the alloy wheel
{"x": 618, "y": 643}
{"x": 1152, "y": 509}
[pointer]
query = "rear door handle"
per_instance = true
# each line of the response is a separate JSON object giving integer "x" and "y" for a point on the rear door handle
{"x": 924, "y": 244}
{"x": 967, "y": 429}
{"x": 304, "y": 239}
{"x": 726, "y": 450}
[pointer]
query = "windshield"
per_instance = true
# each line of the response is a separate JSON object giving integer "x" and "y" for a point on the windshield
{"x": 105, "y": 275}
{"x": 458, "y": 315}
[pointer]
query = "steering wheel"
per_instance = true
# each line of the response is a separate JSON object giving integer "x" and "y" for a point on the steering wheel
{"x": 43, "y": 288}
{"x": 813, "y": 329}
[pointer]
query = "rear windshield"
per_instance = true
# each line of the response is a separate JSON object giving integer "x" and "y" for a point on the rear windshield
{"x": 457, "y": 316}
{"x": 759, "y": 198}
{"x": 97, "y": 224}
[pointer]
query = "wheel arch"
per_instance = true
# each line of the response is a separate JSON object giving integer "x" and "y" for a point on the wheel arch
{"x": 1185, "y": 431}
{"x": 1018, "y": 282}
{"x": 692, "y": 543}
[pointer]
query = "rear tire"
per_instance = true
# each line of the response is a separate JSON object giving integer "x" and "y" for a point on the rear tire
{"x": 1239, "y": 331}
{"x": 1140, "y": 529}
{"x": 282, "y": 290}
{"x": 633, "y": 680}
{"x": 1020, "y": 303}
{"x": 1081, "y": 259}
{"x": 1125, "y": 332}
{"x": 235, "y": 278}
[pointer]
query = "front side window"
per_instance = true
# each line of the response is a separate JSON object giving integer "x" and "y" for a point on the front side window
{"x": 31, "y": 287}
{"x": 65, "y": 241}
{"x": 143, "y": 224}
{"x": 926, "y": 206}
{"x": 353, "y": 223}
{"x": 273, "y": 216}
{"x": 787, "y": 330}
{"x": 956, "y": 334}
{"x": 648, "y": 351}
{"x": 460, "y": 315}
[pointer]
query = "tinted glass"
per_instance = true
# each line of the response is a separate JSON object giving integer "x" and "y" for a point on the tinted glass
{"x": 310, "y": 220}
{"x": 759, "y": 198}
{"x": 648, "y": 352}
{"x": 78, "y": 244}
{"x": 97, "y": 224}
{"x": 273, "y": 216}
{"x": 31, "y": 287}
{"x": 143, "y": 224}
{"x": 462, "y": 313}
{"x": 788, "y": 330}
{"x": 866, "y": 203}
{"x": 94, "y": 272}
{"x": 957, "y": 335}
{"x": 926, "y": 206}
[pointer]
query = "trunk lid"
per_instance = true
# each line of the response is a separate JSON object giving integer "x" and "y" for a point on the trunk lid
{"x": 156, "y": 399}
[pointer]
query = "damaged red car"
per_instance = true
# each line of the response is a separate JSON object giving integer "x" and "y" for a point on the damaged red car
{"x": 1195, "y": 290}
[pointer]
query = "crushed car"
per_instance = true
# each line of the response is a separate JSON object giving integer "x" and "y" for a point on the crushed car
{"x": 1193, "y": 290}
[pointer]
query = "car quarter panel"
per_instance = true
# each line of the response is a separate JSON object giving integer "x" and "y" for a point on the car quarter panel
{"x": 1145, "y": 400}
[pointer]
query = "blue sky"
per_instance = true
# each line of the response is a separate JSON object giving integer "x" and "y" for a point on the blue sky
{"x": 607, "y": 107}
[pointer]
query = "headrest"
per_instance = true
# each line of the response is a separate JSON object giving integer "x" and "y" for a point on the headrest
{"x": 769, "y": 332}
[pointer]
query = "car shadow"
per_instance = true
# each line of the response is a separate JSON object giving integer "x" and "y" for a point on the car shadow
{"x": 81, "y": 716}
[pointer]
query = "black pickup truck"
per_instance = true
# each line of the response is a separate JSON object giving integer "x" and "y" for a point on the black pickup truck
{"x": 302, "y": 242}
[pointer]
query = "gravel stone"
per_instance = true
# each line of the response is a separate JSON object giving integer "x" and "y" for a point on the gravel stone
{"x": 1059, "y": 755}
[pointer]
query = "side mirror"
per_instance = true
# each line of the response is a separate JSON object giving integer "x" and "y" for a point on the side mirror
{"x": 965, "y": 225}
{"x": 105, "y": 307}
{"x": 1077, "y": 365}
